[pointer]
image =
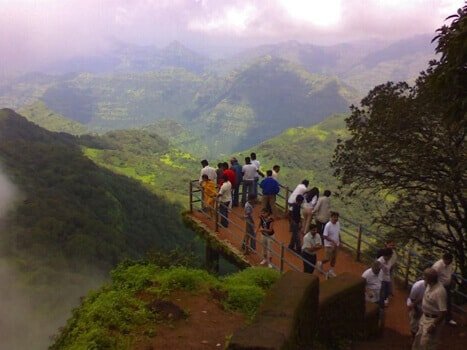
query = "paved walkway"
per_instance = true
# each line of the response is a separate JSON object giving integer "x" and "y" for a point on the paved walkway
{"x": 396, "y": 334}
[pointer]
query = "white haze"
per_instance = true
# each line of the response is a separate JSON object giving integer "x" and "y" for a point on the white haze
{"x": 27, "y": 319}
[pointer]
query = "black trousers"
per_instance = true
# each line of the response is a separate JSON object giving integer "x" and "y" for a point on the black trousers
{"x": 311, "y": 258}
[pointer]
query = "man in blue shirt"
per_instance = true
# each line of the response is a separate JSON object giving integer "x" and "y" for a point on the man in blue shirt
{"x": 270, "y": 188}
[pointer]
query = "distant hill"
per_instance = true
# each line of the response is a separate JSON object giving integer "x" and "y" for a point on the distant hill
{"x": 263, "y": 99}
{"x": 362, "y": 65}
{"x": 133, "y": 58}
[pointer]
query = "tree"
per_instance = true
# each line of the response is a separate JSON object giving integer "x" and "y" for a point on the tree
{"x": 448, "y": 75}
{"x": 410, "y": 142}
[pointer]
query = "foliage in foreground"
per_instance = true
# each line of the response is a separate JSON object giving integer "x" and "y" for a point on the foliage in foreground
{"x": 113, "y": 316}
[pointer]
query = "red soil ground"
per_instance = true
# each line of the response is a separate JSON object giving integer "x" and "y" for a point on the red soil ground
{"x": 206, "y": 326}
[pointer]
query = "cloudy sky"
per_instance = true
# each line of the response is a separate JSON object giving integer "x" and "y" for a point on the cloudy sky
{"x": 33, "y": 32}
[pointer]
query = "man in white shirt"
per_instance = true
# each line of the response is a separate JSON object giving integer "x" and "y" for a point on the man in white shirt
{"x": 256, "y": 163}
{"x": 225, "y": 197}
{"x": 385, "y": 260}
{"x": 445, "y": 269}
{"x": 373, "y": 282}
{"x": 209, "y": 171}
{"x": 322, "y": 211}
{"x": 311, "y": 244}
{"x": 249, "y": 173}
{"x": 414, "y": 305}
{"x": 299, "y": 190}
{"x": 332, "y": 241}
{"x": 434, "y": 308}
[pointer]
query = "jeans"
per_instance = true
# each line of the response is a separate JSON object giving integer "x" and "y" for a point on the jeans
{"x": 294, "y": 239}
{"x": 235, "y": 194}
{"x": 320, "y": 226}
{"x": 250, "y": 234}
{"x": 247, "y": 188}
{"x": 224, "y": 212}
{"x": 385, "y": 288}
{"x": 311, "y": 258}
{"x": 255, "y": 187}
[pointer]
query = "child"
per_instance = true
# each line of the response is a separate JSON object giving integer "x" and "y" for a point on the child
{"x": 266, "y": 227}
{"x": 249, "y": 241}
{"x": 208, "y": 193}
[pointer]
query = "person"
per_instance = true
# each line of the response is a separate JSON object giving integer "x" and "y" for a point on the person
{"x": 230, "y": 173}
{"x": 249, "y": 172}
{"x": 225, "y": 197}
{"x": 385, "y": 260}
{"x": 270, "y": 188}
{"x": 237, "y": 168}
{"x": 434, "y": 309}
{"x": 445, "y": 269}
{"x": 311, "y": 244}
{"x": 331, "y": 236}
{"x": 414, "y": 305}
{"x": 275, "y": 172}
{"x": 256, "y": 163}
{"x": 295, "y": 220}
{"x": 311, "y": 198}
{"x": 219, "y": 174}
{"x": 299, "y": 190}
{"x": 322, "y": 211}
{"x": 208, "y": 190}
{"x": 372, "y": 278}
{"x": 249, "y": 241}
{"x": 266, "y": 227}
{"x": 390, "y": 244}
{"x": 209, "y": 171}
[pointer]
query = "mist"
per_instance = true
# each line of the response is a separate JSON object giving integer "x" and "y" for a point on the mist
{"x": 30, "y": 314}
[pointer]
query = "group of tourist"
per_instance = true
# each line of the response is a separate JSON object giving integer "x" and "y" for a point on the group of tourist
{"x": 306, "y": 237}
{"x": 429, "y": 301}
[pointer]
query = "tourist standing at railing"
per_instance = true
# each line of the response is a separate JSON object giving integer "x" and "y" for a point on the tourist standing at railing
{"x": 445, "y": 269}
{"x": 208, "y": 191}
{"x": 311, "y": 198}
{"x": 311, "y": 244}
{"x": 275, "y": 172}
{"x": 295, "y": 221}
{"x": 249, "y": 240}
{"x": 299, "y": 190}
{"x": 225, "y": 197}
{"x": 414, "y": 305}
{"x": 249, "y": 172}
{"x": 385, "y": 260}
{"x": 332, "y": 241}
{"x": 209, "y": 171}
{"x": 372, "y": 278}
{"x": 434, "y": 308}
{"x": 237, "y": 168}
{"x": 266, "y": 227}
{"x": 219, "y": 174}
{"x": 322, "y": 211}
{"x": 230, "y": 174}
{"x": 270, "y": 188}
{"x": 257, "y": 164}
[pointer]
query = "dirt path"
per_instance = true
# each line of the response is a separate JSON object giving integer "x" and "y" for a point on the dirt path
{"x": 396, "y": 333}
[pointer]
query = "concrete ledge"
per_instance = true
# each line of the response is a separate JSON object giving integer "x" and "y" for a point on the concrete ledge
{"x": 341, "y": 308}
{"x": 286, "y": 318}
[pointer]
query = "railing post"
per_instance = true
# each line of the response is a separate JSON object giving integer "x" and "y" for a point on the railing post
{"x": 282, "y": 257}
{"x": 407, "y": 269}
{"x": 286, "y": 206}
{"x": 216, "y": 216}
{"x": 191, "y": 197}
{"x": 359, "y": 242}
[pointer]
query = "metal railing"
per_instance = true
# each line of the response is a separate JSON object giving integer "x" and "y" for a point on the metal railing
{"x": 355, "y": 238}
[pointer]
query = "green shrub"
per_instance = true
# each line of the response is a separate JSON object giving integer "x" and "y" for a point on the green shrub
{"x": 183, "y": 278}
{"x": 135, "y": 277}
